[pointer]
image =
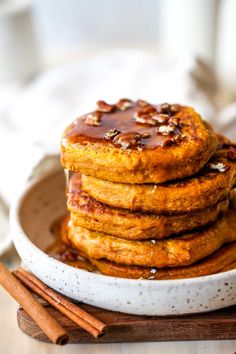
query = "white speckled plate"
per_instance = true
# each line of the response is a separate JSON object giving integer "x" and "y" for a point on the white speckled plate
{"x": 42, "y": 202}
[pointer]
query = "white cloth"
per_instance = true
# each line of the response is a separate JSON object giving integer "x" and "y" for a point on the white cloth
{"x": 33, "y": 117}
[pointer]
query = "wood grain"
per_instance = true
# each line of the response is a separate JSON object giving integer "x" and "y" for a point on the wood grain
{"x": 129, "y": 328}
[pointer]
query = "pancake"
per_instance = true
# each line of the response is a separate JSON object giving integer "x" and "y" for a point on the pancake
{"x": 90, "y": 214}
{"x": 229, "y": 267}
{"x": 172, "y": 252}
{"x": 222, "y": 260}
{"x": 201, "y": 191}
{"x": 135, "y": 142}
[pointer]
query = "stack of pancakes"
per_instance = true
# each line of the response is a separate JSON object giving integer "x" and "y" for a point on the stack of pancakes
{"x": 150, "y": 191}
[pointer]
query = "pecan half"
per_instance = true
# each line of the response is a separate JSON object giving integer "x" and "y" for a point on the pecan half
{"x": 124, "y": 103}
{"x": 111, "y": 134}
{"x": 102, "y": 106}
{"x": 127, "y": 140}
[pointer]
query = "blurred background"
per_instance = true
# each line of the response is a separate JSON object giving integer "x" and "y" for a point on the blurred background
{"x": 58, "y": 57}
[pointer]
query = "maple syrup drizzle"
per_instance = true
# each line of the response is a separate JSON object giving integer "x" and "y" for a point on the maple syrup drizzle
{"x": 65, "y": 253}
{"x": 69, "y": 255}
{"x": 122, "y": 121}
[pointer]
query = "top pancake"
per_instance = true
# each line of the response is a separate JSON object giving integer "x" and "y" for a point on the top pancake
{"x": 135, "y": 142}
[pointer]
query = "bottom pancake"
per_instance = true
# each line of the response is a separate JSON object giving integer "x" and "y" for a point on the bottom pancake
{"x": 173, "y": 252}
{"x": 222, "y": 260}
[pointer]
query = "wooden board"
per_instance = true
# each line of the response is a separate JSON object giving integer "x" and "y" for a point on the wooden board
{"x": 132, "y": 328}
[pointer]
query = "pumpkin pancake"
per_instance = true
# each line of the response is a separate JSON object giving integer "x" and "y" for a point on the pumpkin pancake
{"x": 218, "y": 262}
{"x": 198, "y": 192}
{"x": 172, "y": 252}
{"x": 201, "y": 191}
{"x": 222, "y": 260}
{"x": 136, "y": 142}
{"x": 90, "y": 214}
{"x": 229, "y": 267}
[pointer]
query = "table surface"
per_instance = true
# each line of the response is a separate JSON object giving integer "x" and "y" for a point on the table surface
{"x": 13, "y": 340}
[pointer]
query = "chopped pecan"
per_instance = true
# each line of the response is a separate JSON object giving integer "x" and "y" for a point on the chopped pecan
{"x": 124, "y": 104}
{"x": 174, "y": 108}
{"x": 166, "y": 129}
{"x": 144, "y": 118}
{"x": 160, "y": 118}
{"x": 111, "y": 134}
{"x": 102, "y": 106}
{"x": 93, "y": 119}
{"x": 127, "y": 140}
{"x": 142, "y": 103}
{"x": 147, "y": 110}
{"x": 177, "y": 137}
{"x": 140, "y": 119}
{"x": 174, "y": 120}
{"x": 166, "y": 108}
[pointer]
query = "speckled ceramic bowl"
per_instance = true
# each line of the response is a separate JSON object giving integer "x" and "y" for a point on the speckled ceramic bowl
{"x": 42, "y": 202}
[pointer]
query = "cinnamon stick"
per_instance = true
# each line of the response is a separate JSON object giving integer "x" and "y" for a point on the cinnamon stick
{"x": 72, "y": 311}
{"x": 39, "y": 314}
